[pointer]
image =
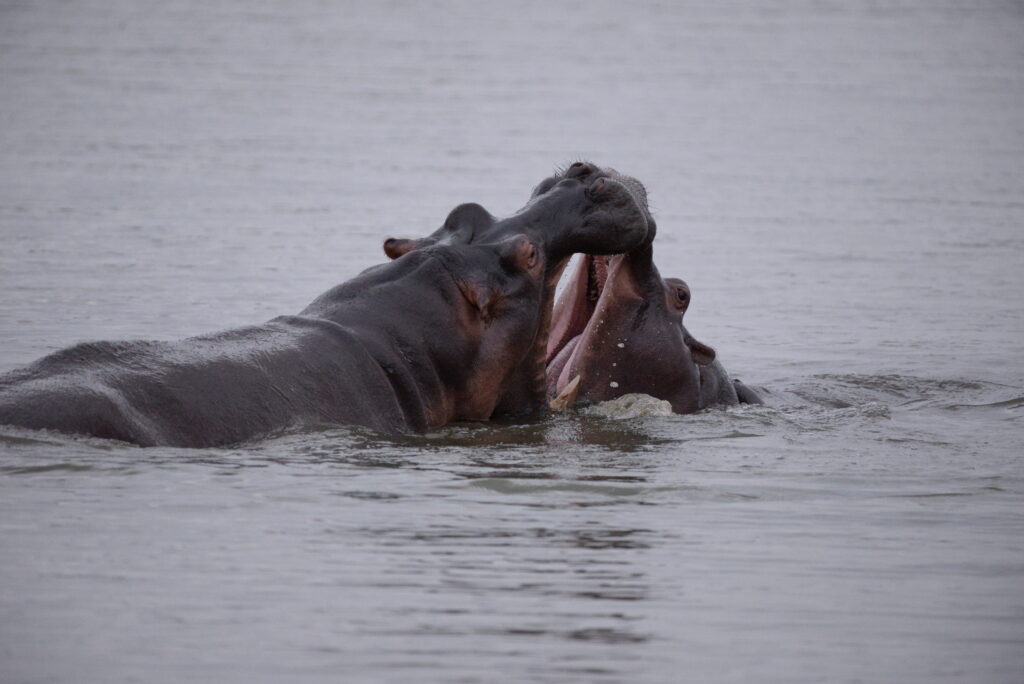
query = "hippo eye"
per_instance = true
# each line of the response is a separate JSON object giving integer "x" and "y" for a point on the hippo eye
{"x": 682, "y": 294}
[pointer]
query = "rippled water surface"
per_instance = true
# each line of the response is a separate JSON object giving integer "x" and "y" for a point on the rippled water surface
{"x": 841, "y": 184}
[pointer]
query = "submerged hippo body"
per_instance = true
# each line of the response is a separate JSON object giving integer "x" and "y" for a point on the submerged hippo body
{"x": 618, "y": 329}
{"x": 427, "y": 340}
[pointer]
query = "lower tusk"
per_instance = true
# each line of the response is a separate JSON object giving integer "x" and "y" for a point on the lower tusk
{"x": 567, "y": 397}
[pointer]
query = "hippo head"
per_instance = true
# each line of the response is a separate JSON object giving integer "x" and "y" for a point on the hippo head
{"x": 583, "y": 208}
{"x": 493, "y": 311}
{"x": 618, "y": 329}
{"x": 451, "y": 324}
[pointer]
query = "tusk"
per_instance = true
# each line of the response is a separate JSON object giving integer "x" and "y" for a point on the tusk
{"x": 567, "y": 397}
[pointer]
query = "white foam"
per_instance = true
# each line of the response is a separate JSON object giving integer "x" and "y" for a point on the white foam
{"x": 631, "y": 406}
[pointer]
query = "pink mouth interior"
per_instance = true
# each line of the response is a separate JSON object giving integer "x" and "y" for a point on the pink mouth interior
{"x": 572, "y": 314}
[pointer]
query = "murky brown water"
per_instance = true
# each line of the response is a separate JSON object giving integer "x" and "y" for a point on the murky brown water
{"x": 841, "y": 185}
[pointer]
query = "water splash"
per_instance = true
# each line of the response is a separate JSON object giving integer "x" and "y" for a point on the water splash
{"x": 631, "y": 406}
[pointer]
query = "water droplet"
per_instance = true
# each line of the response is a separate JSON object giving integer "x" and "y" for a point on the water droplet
{"x": 613, "y": 384}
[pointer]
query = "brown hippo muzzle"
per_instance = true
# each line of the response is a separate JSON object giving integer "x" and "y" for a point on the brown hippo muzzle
{"x": 617, "y": 329}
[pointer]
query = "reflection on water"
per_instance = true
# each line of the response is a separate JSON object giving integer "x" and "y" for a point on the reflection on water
{"x": 576, "y": 546}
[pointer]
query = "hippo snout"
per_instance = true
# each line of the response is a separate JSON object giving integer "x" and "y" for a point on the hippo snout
{"x": 588, "y": 172}
{"x": 618, "y": 220}
{"x": 616, "y": 217}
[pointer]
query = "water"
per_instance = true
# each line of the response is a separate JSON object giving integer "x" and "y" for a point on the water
{"x": 841, "y": 185}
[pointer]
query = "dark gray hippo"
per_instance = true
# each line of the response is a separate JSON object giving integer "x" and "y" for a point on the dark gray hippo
{"x": 618, "y": 222}
{"x": 618, "y": 329}
{"x": 450, "y": 331}
{"x": 428, "y": 340}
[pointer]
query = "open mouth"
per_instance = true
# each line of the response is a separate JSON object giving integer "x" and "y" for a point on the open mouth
{"x": 573, "y": 314}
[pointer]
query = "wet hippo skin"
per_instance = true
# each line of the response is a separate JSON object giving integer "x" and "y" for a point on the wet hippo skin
{"x": 416, "y": 343}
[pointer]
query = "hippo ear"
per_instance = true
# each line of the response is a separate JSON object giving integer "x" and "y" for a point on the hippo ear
{"x": 702, "y": 354}
{"x": 465, "y": 222}
{"x": 396, "y": 247}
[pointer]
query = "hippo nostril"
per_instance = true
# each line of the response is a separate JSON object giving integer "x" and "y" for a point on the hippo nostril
{"x": 578, "y": 170}
{"x": 598, "y": 185}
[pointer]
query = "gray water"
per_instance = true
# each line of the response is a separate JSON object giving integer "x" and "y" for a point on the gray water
{"x": 841, "y": 184}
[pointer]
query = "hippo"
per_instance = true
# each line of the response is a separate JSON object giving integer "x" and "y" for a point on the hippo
{"x": 450, "y": 331}
{"x": 426, "y": 341}
{"x": 618, "y": 329}
{"x": 618, "y": 221}
{"x": 650, "y": 308}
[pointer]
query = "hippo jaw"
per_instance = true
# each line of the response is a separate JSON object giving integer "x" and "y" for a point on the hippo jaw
{"x": 572, "y": 317}
{"x": 617, "y": 330}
